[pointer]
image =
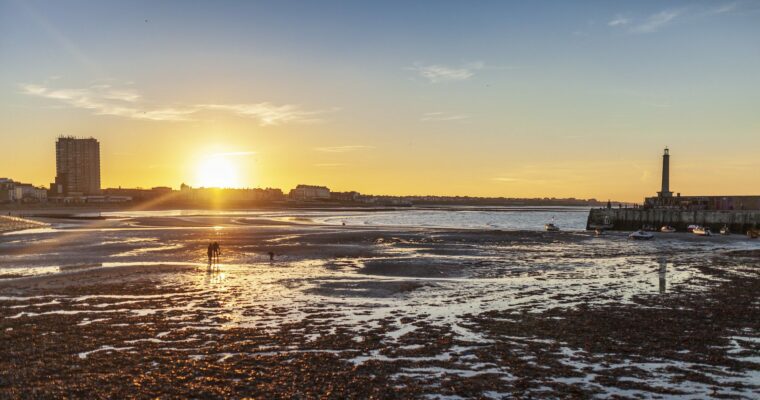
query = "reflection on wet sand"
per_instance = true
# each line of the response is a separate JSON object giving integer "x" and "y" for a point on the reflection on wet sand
{"x": 418, "y": 312}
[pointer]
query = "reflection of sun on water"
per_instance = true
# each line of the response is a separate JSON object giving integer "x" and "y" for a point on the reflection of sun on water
{"x": 217, "y": 171}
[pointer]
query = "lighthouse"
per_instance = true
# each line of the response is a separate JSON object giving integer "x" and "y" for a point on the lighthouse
{"x": 665, "y": 192}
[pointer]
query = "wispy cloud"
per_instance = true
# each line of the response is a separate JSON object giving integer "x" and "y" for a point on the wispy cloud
{"x": 722, "y": 9}
{"x": 105, "y": 100}
{"x": 128, "y": 103}
{"x": 657, "y": 21}
{"x": 504, "y": 179}
{"x": 664, "y": 18}
{"x": 436, "y": 73}
{"x": 342, "y": 149}
{"x": 618, "y": 21}
{"x": 267, "y": 113}
{"x": 439, "y": 116}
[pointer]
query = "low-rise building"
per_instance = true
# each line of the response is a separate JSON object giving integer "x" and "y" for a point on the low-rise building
{"x": 7, "y": 190}
{"x": 17, "y": 192}
{"x": 345, "y": 196}
{"x": 309, "y": 192}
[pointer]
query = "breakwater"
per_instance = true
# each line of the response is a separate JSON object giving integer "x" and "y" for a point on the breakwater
{"x": 628, "y": 219}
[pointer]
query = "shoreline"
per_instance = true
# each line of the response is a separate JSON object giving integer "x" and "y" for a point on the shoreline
{"x": 376, "y": 312}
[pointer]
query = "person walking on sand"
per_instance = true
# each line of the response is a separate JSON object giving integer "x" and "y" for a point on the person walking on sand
{"x": 210, "y": 253}
{"x": 271, "y": 256}
{"x": 217, "y": 251}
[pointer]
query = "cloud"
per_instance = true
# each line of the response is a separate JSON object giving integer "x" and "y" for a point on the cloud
{"x": 128, "y": 103}
{"x": 442, "y": 73}
{"x": 504, "y": 179}
{"x": 342, "y": 149}
{"x": 105, "y": 100}
{"x": 441, "y": 117}
{"x": 724, "y": 8}
{"x": 617, "y": 21}
{"x": 657, "y": 21}
{"x": 267, "y": 113}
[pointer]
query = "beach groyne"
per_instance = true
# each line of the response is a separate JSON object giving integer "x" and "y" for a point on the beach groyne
{"x": 9, "y": 223}
{"x": 628, "y": 219}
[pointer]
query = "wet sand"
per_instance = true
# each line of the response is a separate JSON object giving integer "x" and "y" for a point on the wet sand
{"x": 127, "y": 308}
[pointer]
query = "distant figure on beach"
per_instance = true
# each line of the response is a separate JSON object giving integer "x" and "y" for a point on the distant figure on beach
{"x": 217, "y": 251}
{"x": 271, "y": 256}
{"x": 210, "y": 253}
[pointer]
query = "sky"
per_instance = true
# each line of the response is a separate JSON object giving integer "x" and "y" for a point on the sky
{"x": 484, "y": 98}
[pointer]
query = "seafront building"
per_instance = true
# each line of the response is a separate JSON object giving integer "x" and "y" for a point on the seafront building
{"x": 309, "y": 192}
{"x": 77, "y": 168}
{"x": 17, "y": 192}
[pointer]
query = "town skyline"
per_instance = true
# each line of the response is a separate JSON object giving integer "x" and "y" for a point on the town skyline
{"x": 506, "y": 99}
{"x": 78, "y": 176}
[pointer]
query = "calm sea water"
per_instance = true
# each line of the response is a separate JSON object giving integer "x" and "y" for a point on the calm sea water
{"x": 505, "y": 218}
{"x": 567, "y": 218}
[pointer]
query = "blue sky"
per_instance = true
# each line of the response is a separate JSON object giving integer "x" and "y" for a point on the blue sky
{"x": 530, "y": 98}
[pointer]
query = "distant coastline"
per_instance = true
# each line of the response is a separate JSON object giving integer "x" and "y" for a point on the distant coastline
{"x": 453, "y": 204}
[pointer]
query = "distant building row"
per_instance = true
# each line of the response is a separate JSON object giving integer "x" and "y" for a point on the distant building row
{"x": 17, "y": 192}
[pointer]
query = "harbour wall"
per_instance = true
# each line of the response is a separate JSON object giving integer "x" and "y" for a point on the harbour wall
{"x": 629, "y": 219}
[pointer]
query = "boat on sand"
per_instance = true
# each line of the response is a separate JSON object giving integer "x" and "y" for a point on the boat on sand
{"x": 641, "y": 235}
{"x": 550, "y": 227}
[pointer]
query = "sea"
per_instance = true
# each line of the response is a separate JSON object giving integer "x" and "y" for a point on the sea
{"x": 517, "y": 218}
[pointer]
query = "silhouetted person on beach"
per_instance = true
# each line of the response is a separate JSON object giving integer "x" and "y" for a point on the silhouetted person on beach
{"x": 210, "y": 253}
{"x": 217, "y": 251}
{"x": 271, "y": 256}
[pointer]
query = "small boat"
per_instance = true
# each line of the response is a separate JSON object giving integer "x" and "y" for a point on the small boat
{"x": 667, "y": 229}
{"x": 691, "y": 228}
{"x": 550, "y": 227}
{"x": 702, "y": 231}
{"x": 641, "y": 235}
{"x": 724, "y": 230}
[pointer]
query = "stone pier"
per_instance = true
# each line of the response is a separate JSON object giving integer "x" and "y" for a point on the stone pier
{"x": 629, "y": 219}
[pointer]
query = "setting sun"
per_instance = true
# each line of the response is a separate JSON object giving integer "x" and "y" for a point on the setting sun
{"x": 217, "y": 171}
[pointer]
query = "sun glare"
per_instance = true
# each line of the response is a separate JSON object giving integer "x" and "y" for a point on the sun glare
{"x": 217, "y": 171}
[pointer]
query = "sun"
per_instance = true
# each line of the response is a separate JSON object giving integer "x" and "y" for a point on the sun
{"x": 217, "y": 171}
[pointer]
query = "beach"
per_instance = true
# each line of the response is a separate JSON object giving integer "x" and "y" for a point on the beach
{"x": 127, "y": 306}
